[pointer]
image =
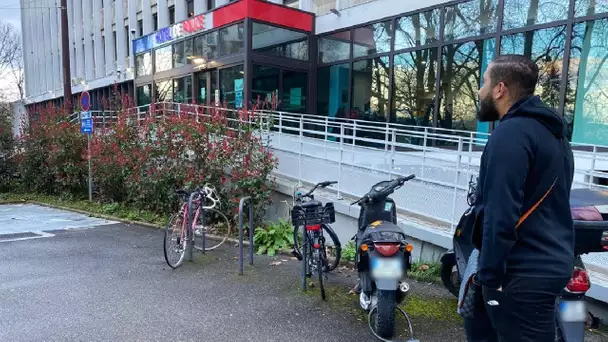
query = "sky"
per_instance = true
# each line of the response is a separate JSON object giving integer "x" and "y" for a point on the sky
{"x": 10, "y": 12}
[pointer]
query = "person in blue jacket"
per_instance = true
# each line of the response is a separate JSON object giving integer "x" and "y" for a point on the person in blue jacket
{"x": 526, "y": 232}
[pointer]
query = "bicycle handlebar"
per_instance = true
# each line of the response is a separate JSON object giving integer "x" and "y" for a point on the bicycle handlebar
{"x": 206, "y": 191}
{"x": 318, "y": 185}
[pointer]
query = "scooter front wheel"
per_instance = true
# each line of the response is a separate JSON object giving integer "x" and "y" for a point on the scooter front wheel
{"x": 450, "y": 277}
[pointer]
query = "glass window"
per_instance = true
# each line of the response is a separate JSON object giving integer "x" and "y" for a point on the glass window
{"x": 144, "y": 95}
{"x": 164, "y": 91}
{"x": 587, "y": 98}
{"x": 163, "y": 58}
{"x": 332, "y": 91}
{"x": 265, "y": 82}
{"x": 231, "y": 86}
{"x": 589, "y": 7}
{"x": 470, "y": 18}
{"x": 334, "y": 47}
{"x": 546, "y": 48}
{"x": 143, "y": 64}
{"x": 231, "y": 40}
{"x": 462, "y": 71}
{"x": 182, "y": 90}
{"x": 279, "y": 41}
{"x": 210, "y": 48}
{"x": 189, "y": 50}
{"x": 417, "y": 30}
{"x": 519, "y": 13}
{"x": 414, "y": 87}
{"x": 370, "y": 89}
{"x": 202, "y": 93}
{"x": 190, "y": 8}
{"x": 179, "y": 56}
{"x": 295, "y": 90}
{"x": 372, "y": 39}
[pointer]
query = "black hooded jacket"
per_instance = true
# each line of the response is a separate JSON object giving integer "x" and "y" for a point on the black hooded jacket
{"x": 526, "y": 157}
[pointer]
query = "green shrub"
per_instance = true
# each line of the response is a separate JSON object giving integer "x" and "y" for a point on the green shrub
{"x": 349, "y": 251}
{"x": 279, "y": 235}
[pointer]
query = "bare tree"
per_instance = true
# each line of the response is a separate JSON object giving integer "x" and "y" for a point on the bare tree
{"x": 11, "y": 60}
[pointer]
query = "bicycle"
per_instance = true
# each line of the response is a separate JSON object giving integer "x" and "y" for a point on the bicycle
{"x": 206, "y": 220}
{"x": 315, "y": 218}
{"x": 297, "y": 199}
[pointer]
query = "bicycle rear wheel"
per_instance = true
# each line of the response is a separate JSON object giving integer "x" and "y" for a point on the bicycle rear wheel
{"x": 336, "y": 246}
{"x": 217, "y": 224}
{"x": 175, "y": 242}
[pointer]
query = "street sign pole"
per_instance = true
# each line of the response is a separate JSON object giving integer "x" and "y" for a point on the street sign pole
{"x": 90, "y": 173}
{"x": 86, "y": 127}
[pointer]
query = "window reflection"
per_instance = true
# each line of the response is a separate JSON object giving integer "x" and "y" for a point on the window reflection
{"x": 587, "y": 98}
{"x": 370, "y": 89}
{"x": 589, "y": 7}
{"x": 144, "y": 95}
{"x": 164, "y": 91}
{"x": 231, "y": 40}
{"x": 295, "y": 91}
{"x": 143, "y": 64}
{"x": 334, "y": 47}
{"x": 462, "y": 71}
{"x": 372, "y": 39}
{"x": 332, "y": 91}
{"x": 414, "y": 87}
{"x": 546, "y": 48}
{"x": 519, "y": 13}
{"x": 182, "y": 90}
{"x": 179, "y": 56}
{"x": 163, "y": 59}
{"x": 470, "y": 18}
{"x": 265, "y": 83}
{"x": 279, "y": 41}
{"x": 416, "y": 30}
{"x": 231, "y": 86}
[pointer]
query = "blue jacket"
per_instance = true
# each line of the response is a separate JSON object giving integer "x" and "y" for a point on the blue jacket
{"x": 527, "y": 155}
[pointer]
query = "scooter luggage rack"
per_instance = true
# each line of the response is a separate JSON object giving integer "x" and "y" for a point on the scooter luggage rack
{"x": 407, "y": 318}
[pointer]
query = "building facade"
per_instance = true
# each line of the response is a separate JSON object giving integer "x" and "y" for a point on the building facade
{"x": 395, "y": 61}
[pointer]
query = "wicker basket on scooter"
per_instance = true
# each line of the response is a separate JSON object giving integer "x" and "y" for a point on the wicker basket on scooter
{"x": 313, "y": 214}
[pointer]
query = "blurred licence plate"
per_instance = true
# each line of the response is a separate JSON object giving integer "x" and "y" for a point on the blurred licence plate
{"x": 387, "y": 268}
{"x": 572, "y": 311}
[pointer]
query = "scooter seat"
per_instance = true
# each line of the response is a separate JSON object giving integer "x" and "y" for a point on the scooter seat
{"x": 311, "y": 204}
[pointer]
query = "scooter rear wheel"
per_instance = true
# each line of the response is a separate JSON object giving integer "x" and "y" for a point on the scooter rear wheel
{"x": 385, "y": 320}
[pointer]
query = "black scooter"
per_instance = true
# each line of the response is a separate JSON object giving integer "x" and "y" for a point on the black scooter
{"x": 383, "y": 257}
{"x": 590, "y": 213}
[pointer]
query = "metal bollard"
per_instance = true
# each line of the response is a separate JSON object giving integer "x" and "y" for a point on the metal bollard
{"x": 189, "y": 232}
{"x": 242, "y": 203}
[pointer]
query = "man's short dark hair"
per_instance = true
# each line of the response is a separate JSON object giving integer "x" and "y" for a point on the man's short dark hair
{"x": 518, "y": 73}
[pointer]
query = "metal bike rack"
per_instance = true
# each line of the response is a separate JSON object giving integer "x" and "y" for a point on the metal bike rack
{"x": 242, "y": 203}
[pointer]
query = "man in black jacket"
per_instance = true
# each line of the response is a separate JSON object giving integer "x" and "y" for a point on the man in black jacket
{"x": 527, "y": 233}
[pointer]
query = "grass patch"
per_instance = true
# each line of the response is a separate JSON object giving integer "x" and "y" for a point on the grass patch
{"x": 426, "y": 272}
{"x": 118, "y": 210}
{"x": 416, "y": 306}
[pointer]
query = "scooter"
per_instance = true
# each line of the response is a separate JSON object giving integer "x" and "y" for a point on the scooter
{"x": 383, "y": 257}
{"x": 590, "y": 213}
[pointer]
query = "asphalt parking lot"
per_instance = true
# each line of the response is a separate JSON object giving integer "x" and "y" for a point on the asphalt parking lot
{"x": 103, "y": 281}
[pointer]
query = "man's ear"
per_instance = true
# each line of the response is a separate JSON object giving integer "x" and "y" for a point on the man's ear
{"x": 500, "y": 91}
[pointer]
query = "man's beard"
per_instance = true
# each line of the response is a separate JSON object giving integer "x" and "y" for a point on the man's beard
{"x": 487, "y": 110}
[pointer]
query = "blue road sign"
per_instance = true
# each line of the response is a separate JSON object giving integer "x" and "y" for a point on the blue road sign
{"x": 86, "y": 123}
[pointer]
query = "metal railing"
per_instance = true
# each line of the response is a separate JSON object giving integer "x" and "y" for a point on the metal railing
{"x": 360, "y": 153}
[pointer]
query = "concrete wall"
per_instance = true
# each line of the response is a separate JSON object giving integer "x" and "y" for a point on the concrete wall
{"x": 428, "y": 246}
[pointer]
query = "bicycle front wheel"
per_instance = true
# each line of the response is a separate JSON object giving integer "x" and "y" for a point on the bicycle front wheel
{"x": 175, "y": 241}
{"x": 215, "y": 223}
